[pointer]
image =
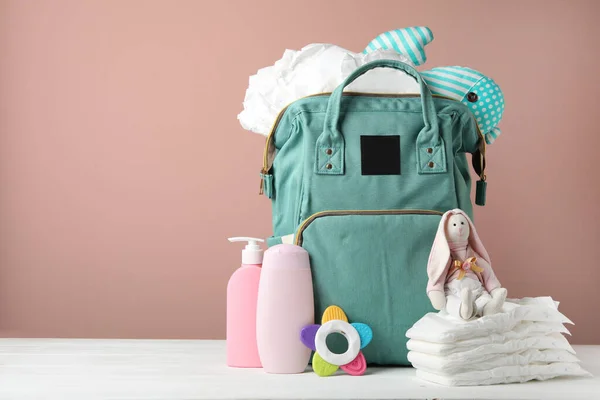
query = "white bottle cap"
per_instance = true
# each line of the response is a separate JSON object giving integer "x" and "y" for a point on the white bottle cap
{"x": 252, "y": 254}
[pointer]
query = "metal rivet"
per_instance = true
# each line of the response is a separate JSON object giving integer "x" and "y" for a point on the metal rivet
{"x": 431, "y": 164}
{"x": 328, "y": 166}
{"x": 329, "y": 152}
{"x": 430, "y": 150}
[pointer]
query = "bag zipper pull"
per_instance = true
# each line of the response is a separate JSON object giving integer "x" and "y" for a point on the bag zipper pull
{"x": 480, "y": 191}
{"x": 266, "y": 184}
{"x": 261, "y": 190}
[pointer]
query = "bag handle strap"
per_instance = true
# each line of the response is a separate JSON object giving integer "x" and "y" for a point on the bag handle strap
{"x": 330, "y": 146}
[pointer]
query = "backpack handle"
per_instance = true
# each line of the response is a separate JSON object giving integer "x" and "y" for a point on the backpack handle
{"x": 330, "y": 146}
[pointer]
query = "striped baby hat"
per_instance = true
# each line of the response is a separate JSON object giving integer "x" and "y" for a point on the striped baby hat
{"x": 410, "y": 42}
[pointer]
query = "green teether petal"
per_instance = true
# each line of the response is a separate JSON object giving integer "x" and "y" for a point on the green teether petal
{"x": 322, "y": 367}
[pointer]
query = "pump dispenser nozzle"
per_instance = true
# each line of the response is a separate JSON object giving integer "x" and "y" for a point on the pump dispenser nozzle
{"x": 252, "y": 253}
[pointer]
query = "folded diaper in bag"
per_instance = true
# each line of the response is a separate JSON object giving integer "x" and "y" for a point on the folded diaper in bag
{"x": 316, "y": 68}
{"x": 523, "y": 343}
{"x": 320, "y": 67}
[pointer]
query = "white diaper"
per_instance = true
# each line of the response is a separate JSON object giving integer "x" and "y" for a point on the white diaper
{"x": 441, "y": 328}
{"x": 464, "y": 362}
{"x": 506, "y": 374}
{"x": 477, "y": 347}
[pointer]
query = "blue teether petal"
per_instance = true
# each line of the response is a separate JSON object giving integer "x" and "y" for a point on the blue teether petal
{"x": 365, "y": 332}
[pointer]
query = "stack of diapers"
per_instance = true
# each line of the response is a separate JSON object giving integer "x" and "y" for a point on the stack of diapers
{"x": 523, "y": 343}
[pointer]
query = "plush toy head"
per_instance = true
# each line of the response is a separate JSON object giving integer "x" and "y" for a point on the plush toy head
{"x": 448, "y": 232}
{"x": 481, "y": 94}
{"x": 440, "y": 256}
{"x": 457, "y": 228}
{"x": 410, "y": 42}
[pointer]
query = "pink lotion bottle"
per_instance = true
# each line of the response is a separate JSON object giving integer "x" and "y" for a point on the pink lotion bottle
{"x": 242, "y": 294}
{"x": 285, "y": 306}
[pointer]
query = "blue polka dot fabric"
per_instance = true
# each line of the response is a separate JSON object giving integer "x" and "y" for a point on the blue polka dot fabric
{"x": 480, "y": 93}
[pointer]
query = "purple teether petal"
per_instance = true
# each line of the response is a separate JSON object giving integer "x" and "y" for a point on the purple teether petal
{"x": 307, "y": 336}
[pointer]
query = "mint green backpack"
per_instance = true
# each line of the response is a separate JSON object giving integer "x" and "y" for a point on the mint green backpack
{"x": 361, "y": 181}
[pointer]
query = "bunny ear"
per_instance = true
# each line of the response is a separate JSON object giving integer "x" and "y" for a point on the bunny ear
{"x": 474, "y": 240}
{"x": 439, "y": 258}
{"x": 492, "y": 135}
{"x": 410, "y": 42}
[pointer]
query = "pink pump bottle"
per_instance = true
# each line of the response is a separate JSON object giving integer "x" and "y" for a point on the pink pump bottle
{"x": 242, "y": 294}
{"x": 285, "y": 306}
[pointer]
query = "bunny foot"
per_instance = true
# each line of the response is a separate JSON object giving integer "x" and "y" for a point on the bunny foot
{"x": 466, "y": 304}
{"x": 494, "y": 306}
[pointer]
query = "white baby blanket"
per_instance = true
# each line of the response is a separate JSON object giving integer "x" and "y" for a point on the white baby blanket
{"x": 316, "y": 68}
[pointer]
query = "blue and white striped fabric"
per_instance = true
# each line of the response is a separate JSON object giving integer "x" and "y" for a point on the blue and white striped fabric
{"x": 454, "y": 82}
{"x": 410, "y": 42}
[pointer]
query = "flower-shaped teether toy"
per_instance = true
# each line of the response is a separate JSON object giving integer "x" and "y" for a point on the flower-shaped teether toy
{"x": 325, "y": 362}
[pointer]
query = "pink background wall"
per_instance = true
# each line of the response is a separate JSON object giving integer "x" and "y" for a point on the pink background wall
{"x": 123, "y": 167}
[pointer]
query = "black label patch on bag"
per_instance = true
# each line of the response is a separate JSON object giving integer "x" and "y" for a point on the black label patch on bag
{"x": 380, "y": 155}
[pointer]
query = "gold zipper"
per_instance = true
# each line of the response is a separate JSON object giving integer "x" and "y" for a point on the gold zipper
{"x": 266, "y": 168}
{"x": 309, "y": 220}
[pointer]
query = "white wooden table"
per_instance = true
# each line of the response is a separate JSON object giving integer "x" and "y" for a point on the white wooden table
{"x": 170, "y": 369}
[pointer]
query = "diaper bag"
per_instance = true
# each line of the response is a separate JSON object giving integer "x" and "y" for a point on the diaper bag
{"x": 361, "y": 181}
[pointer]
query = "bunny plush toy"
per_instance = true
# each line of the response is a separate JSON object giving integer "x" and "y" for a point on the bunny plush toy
{"x": 461, "y": 278}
